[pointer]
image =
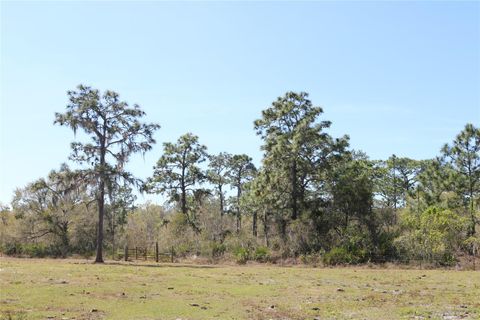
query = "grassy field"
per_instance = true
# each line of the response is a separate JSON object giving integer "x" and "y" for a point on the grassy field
{"x": 70, "y": 289}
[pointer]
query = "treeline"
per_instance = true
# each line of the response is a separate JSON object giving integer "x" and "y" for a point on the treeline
{"x": 313, "y": 198}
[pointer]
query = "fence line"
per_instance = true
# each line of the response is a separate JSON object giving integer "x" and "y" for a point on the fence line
{"x": 142, "y": 253}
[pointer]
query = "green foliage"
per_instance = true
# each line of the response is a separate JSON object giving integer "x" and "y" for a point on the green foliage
{"x": 433, "y": 235}
{"x": 298, "y": 155}
{"x": 218, "y": 249}
{"x": 177, "y": 173}
{"x": 352, "y": 190}
{"x": 261, "y": 254}
{"x": 337, "y": 256}
{"x": 241, "y": 170}
{"x": 32, "y": 250}
{"x": 396, "y": 179}
{"x": 12, "y": 248}
{"x": 463, "y": 156}
{"x": 242, "y": 255}
{"x": 385, "y": 247}
{"x": 217, "y": 174}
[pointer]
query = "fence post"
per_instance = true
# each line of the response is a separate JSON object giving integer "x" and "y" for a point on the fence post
{"x": 172, "y": 254}
{"x": 156, "y": 251}
{"x": 126, "y": 253}
{"x": 136, "y": 253}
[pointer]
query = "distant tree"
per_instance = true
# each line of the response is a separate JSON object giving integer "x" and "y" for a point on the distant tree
{"x": 260, "y": 199}
{"x": 295, "y": 146}
{"x": 217, "y": 174}
{"x": 352, "y": 190}
{"x": 435, "y": 178}
{"x": 351, "y": 183}
{"x": 144, "y": 225}
{"x": 396, "y": 179}
{"x": 297, "y": 156}
{"x": 178, "y": 174}
{"x": 464, "y": 157}
{"x": 5, "y": 212}
{"x": 52, "y": 203}
{"x": 241, "y": 170}
{"x": 116, "y": 133}
{"x": 285, "y": 127}
{"x": 8, "y": 225}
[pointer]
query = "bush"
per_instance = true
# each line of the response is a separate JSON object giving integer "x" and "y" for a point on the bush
{"x": 448, "y": 260}
{"x": 386, "y": 249}
{"x": 337, "y": 256}
{"x": 433, "y": 235}
{"x": 342, "y": 255}
{"x": 35, "y": 250}
{"x": 261, "y": 254}
{"x": 218, "y": 249}
{"x": 32, "y": 250}
{"x": 241, "y": 255}
{"x": 11, "y": 249}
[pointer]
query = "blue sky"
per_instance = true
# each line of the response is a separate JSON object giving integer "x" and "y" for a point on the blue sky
{"x": 398, "y": 77}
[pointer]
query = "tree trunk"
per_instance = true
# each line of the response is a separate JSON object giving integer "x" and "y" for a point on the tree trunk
{"x": 183, "y": 200}
{"x": 254, "y": 224}
{"x": 472, "y": 215}
{"x": 265, "y": 229}
{"x": 65, "y": 239}
{"x": 394, "y": 191}
{"x": 239, "y": 194}
{"x": 472, "y": 212}
{"x": 239, "y": 222}
{"x": 294, "y": 191}
{"x": 283, "y": 229}
{"x": 221, "y": 200}
{"x": 113, "y": 236}
{"x": 101, "y": 203}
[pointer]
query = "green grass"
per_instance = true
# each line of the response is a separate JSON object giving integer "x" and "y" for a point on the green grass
{"x": 69, "y": 289}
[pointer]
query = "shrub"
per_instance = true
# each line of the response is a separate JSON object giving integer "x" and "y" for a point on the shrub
{"x": 241, "y": 255}
{"x": 32, "y": 250}
{"x": 336, "y": 256}
{"x": 35, "y": 250}
{"x": 12, "y": 249}
{"x": 218, "y": 249}
{"x": 432, "y": 235}
{"x": 261, "y": 254}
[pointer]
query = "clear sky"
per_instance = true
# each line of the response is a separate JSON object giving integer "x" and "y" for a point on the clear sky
{"x": 398, "y": 77}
